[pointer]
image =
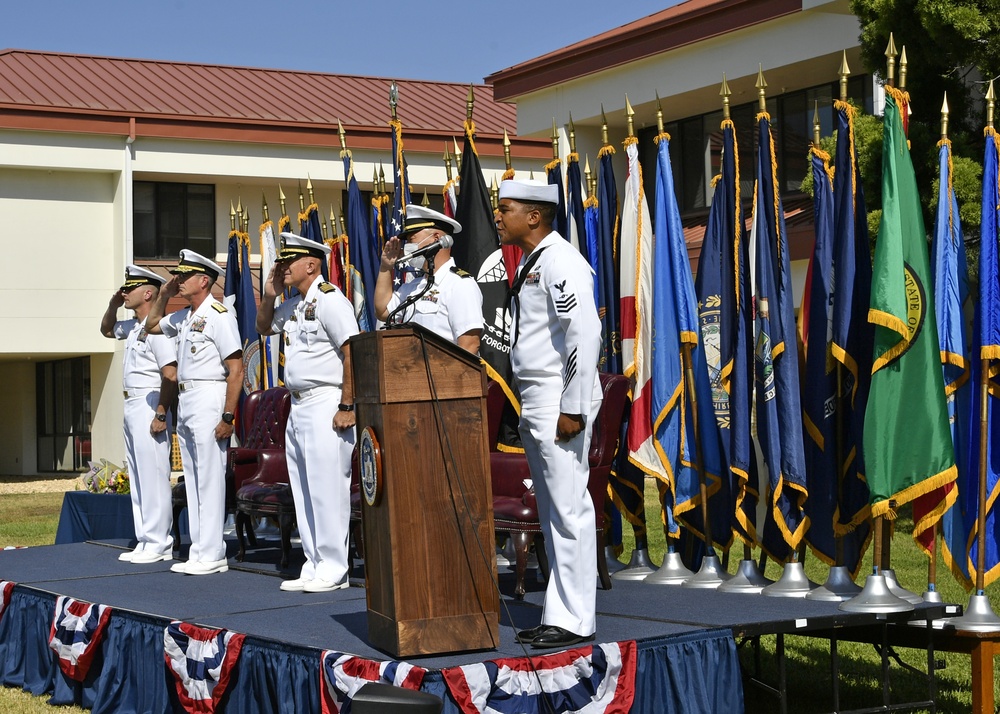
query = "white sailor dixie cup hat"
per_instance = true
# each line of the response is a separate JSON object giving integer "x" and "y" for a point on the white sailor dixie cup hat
{"x": 419, "y": 218}
{"x": 191, "y": 262}
{"x": 295, "y": 246}
{"x": 529, "y": 191}
{"x": 136, "y": 276}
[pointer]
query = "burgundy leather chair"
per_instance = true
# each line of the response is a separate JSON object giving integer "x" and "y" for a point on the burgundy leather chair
{"x": 515, "y": 510}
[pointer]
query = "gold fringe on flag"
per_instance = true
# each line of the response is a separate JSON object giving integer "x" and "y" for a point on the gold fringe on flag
{"x": 470, "y": 134}
{"x": 507, "y": 175}
{"x": 552, "y": 165}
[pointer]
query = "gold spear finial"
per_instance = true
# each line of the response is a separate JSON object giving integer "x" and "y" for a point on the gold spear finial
{"x": 393, "y": 99}
{"x": 587, "y": 176}
{"x": 990, "y": 103}
{"x": 659, "y": 115}
{"x": 604, "y": 127}
{"x": 761, "y": 86}
{"x": 239, "y": 206}
{"x": 323, "y": 226}
{"x": 572, "y": 135}
{"x": 381, "y": 178}
{"x": 340, "y": 215}
{"x": 629, "y": 117}
{"x": 302, "y": 199}
{"x": 333, "y": 219}
{"x": 232, "y": 216}
{"x": 447, "y": 161}
{"x": 816, "y": 124}
{"x": 425, "y": 201}
{"x": 281, "y": 201}
{"x": 494, "y": 193}
{"x": 531, "y": 175}
{"x": 458, "y": 154}
{"x": 725, "y": 93}
{"x": 246, "y": 219}
{"x": 555, "y": 140}
{"x": 309, "y": 188}
{"x": 374, "y": 180}
{"x": 890, "y": 53}
{"x": 343, "y": 136}
{"x": 470, "y": 103}
{"x": 845, "y": 72}
{"x": 506, "y": 149}
{"x": 944, "y": 117}
{"x": 902, "y": 68}
{"x": 263, "y": 207}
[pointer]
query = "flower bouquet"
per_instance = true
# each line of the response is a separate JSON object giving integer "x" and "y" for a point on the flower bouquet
{"x": 104, "y": 477}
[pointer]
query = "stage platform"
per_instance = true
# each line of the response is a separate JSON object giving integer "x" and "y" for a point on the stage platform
{"x": 685, "y": 656}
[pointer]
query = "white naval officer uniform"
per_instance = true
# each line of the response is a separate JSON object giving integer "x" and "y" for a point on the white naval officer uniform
{"x": 205, "y": 337}
{"x": 452, "y": 307}
{"x": 314, "y": 328}
{"x": 147, "y": 454}
{"x": 555, "y": 337}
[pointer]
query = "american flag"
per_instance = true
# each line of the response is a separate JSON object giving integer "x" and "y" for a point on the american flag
{"x": 77, "y": 628}
{"x": 596, "y": 680}
{"x": 344, "y": 674}
{"x": 201, "y": 660}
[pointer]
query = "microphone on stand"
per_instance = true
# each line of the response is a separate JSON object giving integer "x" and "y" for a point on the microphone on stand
{"x": 445, "y": 241}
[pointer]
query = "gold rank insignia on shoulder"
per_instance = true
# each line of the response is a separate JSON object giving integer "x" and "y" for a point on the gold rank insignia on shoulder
{"x": 219, "y": 307}
{"x": 326, "y": 287}
{"x": 460, "y": 273}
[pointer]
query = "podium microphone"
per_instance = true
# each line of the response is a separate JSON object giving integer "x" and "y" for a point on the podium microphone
{"x": 445, "y": 241}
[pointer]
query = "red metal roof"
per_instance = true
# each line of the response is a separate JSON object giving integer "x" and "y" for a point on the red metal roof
{"x": 683, "y": 24}
{"x": 189, "y": 100}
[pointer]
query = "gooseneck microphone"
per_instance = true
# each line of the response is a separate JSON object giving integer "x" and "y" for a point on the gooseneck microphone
{"x": 445, "y": 241}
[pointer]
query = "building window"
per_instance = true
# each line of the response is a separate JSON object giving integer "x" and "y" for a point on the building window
{"x": 63, "y": 400}
{"x": 171, "y": 216}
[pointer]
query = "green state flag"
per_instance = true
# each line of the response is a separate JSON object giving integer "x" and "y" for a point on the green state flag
{"x": 907, "y": 442}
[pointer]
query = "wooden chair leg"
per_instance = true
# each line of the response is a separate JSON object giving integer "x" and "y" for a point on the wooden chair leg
{"x": 241, "y": 524}
{"x": 285, "y": 522}
{"x": 542, "y": 556}
{"x": 602, "y": 562}
{"x": 248, "y": 530}
{"x": 177, "y": 527}
{"x": 521, "y": 541}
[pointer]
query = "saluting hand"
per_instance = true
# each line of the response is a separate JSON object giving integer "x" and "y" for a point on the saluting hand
{"x": 568, "y": 426}
{"x": 173, "y": 286}
{"x": 275, "y": 283}
{"x": 391, "y": 252}
{"x": 117, "y": 300}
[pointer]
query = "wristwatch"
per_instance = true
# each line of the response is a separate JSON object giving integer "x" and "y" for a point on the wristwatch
{"x": 345, "y": 407}
{"x": 161, "y": 417}
{"x": 228, "y": 417}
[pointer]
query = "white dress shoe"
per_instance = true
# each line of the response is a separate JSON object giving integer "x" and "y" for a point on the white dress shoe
{"x": 206, "y": 567}
{"x": 179, "y": 567}
{"x": 324, "y": 586}
{"x": 294, "y": 586}
{"x": 127, "y": 556}
{"x": 149, "y": 557}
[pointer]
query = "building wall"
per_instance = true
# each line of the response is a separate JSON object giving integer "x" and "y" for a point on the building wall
{"x": 17, "y": 418}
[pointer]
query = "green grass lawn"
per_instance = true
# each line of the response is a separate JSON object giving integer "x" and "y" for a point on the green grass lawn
{"x": 32, "y": 519}
{"x": 808, "y": 659}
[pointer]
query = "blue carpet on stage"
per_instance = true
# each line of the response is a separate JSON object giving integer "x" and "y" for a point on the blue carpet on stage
{"x": 680, "y": 667}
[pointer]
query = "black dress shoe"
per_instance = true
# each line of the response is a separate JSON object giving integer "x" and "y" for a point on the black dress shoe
{"x": 528, "y": 636}
{"x": 553, "y": 636}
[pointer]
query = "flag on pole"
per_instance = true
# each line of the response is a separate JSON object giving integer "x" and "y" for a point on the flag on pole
{"x": 851, "y": 339}
{"x": 310, "y": 227}
{"x": 400, "y": 181}
{"x": 240, "y": 298}
{"x": 675, "y": 328}
{"x": 268, "y": 349}
{"x": 605, "y": 266}
{"x": 985, "y": 345}
{"x": 951, "y": 291}
{"x": 779, "y": 410}
{"x": 363, "y": 256}
{"x": 820, "y": 399}
{"x": 722, "y": 287}
{"x": 907, "y": 386}
{"x": 575, "y": 206}
{"x": 553, "y": 173}
{"x": 480, "y": 254}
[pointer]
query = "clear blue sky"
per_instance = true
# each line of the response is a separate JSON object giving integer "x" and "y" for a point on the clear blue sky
{"x": 450, "y": 40}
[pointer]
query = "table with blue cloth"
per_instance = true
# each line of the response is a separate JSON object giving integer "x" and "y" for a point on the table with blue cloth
{"x": 94, "y": 516}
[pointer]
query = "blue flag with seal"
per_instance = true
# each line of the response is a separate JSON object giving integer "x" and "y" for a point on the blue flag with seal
{"x": 363, "y": 257}
{"x": 239, "y": 296}
{"x": 779, "y": 410}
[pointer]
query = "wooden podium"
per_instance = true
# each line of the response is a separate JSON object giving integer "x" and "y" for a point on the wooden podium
{"x": 430, "y": 569}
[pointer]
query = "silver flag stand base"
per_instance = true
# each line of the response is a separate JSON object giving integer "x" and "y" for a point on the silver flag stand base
{"x": 978, "y": 617}
{"x": 672, "y": 572}
{"x": 793, "y": 583}
{"x": 614, "y": 565}
{"x": 930, "y": 596}
{"x": 876, "y": 597}
{"x": 748, "y": 579}
{"x": 638, "y": 568}
{"x": 898, "y": 590}
{"x": 837, "y": 588}
{"x": 710, "y": 575}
